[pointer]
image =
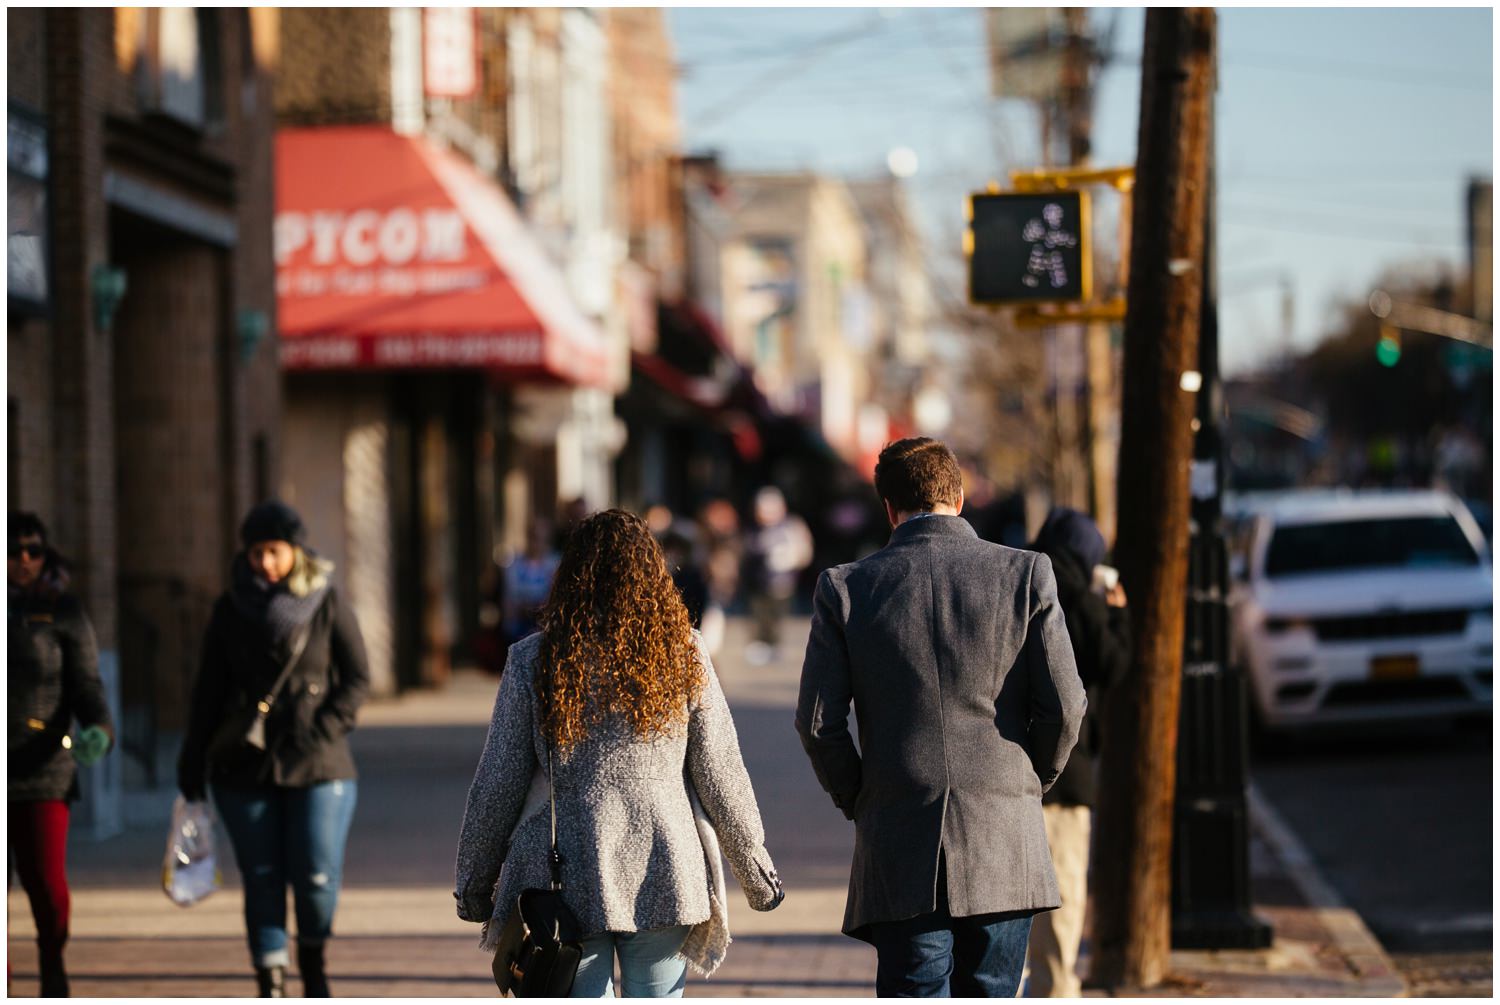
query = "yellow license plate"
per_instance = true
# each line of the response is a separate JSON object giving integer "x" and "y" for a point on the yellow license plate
{"x": 1395, "y": 668}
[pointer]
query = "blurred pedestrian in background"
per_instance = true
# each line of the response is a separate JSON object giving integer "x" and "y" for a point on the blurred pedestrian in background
{"x": 677, "y": 549}
{"x": 490, "y": 643}
{"x": 617, "y": 700}
{"x": 528, "y": 580}
{"x": 777, "y": 549}
{"x": 53, "y": 673}
{"x": 1093, "y": 604}
{"x": 570, "y": 516}
{"x": 680, "y": 547}
{"x": 287, "y": 806}
{"x": 659, "y": 520}
{"x": 723, "y": 550}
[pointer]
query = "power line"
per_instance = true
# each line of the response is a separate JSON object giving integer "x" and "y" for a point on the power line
{"x": 1377, "y": 73}
{"x": 1342, "y": 208}
{"x": 1401, "y": 73}
{"x": 1381, "y": 73}
{"x": 1320, "y": 177}
{"x": 760, "y": 53}
{"x": 1259, "y": 222}
{"x": 913, "y": 88}
{"x": 1285, "y": 211}
{"x": 798, "y": 59}
{"x": 1406, "y": 75}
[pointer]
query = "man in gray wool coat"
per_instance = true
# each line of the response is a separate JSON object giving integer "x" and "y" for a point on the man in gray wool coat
{"x": 956, "y": 657}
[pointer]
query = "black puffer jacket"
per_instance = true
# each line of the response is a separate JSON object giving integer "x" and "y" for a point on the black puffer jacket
{"x": 307, "y": 730}
{"x": 1101, "y": 645}
{"x": 53, "y": 679}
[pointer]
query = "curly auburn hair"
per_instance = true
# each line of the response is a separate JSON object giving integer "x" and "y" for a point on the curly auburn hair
{"x": 616, "y": 638}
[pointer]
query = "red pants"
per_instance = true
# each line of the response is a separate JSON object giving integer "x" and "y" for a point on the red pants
{"x": 39, "y": 842}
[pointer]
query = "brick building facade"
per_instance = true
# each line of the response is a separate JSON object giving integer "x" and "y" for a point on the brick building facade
{"x": 420, "y": 476}
{"x": 143, "y": 394}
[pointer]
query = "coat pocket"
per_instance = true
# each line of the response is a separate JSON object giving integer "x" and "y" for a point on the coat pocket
{"x": 304, "y": 721}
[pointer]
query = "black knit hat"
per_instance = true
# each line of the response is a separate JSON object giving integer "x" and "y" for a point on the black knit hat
{"x": 273, "y": 521}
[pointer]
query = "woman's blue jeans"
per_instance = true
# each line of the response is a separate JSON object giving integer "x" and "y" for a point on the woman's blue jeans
{"x": 649, "y": 964}
{"x": 288, "y": 835}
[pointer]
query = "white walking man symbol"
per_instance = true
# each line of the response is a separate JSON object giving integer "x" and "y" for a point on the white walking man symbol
{"x": 1047, "y": 239}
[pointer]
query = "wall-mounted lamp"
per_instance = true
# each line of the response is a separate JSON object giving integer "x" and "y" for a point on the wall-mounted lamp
{"x": 108, "y": 287}
{"x": 251, "y": 326}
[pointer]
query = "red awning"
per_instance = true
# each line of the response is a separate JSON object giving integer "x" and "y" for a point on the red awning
{"x": 393, "y": 253}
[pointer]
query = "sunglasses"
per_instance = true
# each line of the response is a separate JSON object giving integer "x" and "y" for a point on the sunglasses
{"x": 27, "y": 551}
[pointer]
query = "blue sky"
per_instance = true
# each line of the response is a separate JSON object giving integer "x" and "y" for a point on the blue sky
{"x": 1346, "y": 135}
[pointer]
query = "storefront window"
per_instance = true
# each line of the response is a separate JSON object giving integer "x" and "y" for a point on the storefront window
{"x": 26, "y": 212}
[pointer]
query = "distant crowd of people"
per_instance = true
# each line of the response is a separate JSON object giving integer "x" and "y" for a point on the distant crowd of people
{"x": 611, "y": 780}
{"x": 717, "y": 563}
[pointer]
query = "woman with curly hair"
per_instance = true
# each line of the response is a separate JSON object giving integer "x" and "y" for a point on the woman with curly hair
{"x": 617, "y": 691}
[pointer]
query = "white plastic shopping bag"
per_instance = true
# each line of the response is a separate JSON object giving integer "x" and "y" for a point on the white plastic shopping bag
{"x": 190, "y": 869}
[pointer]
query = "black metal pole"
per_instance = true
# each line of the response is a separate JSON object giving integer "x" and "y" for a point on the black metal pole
{"x": 1211, "y": 898}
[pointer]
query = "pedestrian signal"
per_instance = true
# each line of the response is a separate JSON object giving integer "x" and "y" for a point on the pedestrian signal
{"x": 1028, "y": 248}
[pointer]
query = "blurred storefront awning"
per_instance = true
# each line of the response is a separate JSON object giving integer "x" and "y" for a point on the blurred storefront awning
{"x": 395, "y": 254}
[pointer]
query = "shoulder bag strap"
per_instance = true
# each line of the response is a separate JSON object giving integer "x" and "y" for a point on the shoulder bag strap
{"x": 299, "y": 644}
{"x": 556, "y": 856}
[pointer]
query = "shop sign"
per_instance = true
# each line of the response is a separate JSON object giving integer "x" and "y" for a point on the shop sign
{"x": 493, "y": 350}
{"x": 450, "y": 63}
{"x": 399, "y": 252}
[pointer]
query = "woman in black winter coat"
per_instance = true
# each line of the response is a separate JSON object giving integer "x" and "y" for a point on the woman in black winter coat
{"x": 52, "y": 673}
{"x": 288, "y": 806}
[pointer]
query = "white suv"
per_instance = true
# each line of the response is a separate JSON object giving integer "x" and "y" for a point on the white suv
{"x": 1352, "y": 606}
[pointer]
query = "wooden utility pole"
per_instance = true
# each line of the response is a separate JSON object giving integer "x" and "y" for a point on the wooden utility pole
{"x": 1132, "y": 907}
{"x": 1078, "y": 86}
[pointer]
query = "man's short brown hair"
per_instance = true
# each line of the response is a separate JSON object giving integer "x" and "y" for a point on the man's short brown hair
{"x": 918, "y": 473}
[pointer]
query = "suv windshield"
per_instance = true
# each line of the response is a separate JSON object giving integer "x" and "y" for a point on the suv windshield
{"x": 1400, "y": 542}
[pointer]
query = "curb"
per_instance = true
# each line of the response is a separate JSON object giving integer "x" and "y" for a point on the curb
{"x": 1367, "y": 958}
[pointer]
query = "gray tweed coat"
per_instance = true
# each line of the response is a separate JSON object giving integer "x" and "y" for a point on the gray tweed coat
{"x": 956, "y": 657}
{"x": 633, "y": 860}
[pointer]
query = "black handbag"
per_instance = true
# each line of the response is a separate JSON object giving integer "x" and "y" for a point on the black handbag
{"x": 540, "y": 948}
{"x": 246, "y": 726}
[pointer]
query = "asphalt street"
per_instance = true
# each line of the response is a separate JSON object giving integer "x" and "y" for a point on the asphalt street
{"x": 1400, "y": 821}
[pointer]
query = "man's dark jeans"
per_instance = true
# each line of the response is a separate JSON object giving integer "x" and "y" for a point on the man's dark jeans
{"x": 939, "y": 956}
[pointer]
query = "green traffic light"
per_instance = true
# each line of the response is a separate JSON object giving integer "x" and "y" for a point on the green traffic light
{"x": 1388, "y": 351}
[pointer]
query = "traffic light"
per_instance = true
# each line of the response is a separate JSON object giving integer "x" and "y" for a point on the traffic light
{"x": 1388, "y": 349}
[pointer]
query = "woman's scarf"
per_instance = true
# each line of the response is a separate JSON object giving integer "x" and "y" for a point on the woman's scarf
{"x": 271, "y": 605}
{"x": 48, "y": 588}
{"x": 708, "y": 941}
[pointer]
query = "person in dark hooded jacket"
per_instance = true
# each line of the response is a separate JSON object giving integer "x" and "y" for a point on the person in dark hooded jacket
{"x": 287, "y": 806}
{"x": 1099, "y": 629}
{"x": 53, "y": 680}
